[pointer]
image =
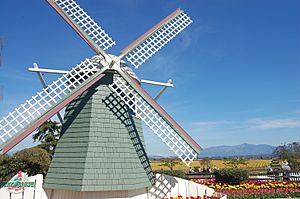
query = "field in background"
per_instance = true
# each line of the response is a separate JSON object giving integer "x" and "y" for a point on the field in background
{"x": 252, "y": 164}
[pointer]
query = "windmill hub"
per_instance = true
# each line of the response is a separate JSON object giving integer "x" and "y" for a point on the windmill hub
{"x": 116, "y": 65}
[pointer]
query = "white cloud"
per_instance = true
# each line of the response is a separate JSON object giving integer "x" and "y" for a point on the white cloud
{"x": 261, "y": 123}
{"x": 254, "y": 124}
{"x": 210, "y": 124}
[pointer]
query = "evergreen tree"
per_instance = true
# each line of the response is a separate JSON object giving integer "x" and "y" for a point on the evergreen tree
{"x": 48, "y": 134}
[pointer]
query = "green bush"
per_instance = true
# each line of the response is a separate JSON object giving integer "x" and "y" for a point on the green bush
{"x": 32, "y": 160}
{"x": 231, "y": 175}
{"x": 5, "y": 168}
{"x": 175, "y": 173}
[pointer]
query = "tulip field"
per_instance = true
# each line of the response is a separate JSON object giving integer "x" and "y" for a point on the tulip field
{"x": 196, "y": 197}
{"x": 250, "y": 190}
{"x": 255, "y": 189}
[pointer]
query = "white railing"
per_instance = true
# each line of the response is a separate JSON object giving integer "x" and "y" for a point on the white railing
{"x": 292, "y": 176}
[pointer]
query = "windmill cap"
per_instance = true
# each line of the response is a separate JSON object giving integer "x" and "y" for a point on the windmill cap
{"x": 126, "y": 68}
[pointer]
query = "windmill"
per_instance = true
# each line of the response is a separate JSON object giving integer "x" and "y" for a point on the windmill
{"x": 105, "y": 105}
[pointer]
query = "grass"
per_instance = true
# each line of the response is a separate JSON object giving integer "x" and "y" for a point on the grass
{"x": 252, "y": 164}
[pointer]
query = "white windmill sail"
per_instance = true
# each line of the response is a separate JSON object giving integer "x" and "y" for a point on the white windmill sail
{"x": 83, "y": 24}
{"x": 145, "y": 107}
{"x": 19, "y": 123}
{"x": 155, "y": 117}
{"x": 149, "y": 43}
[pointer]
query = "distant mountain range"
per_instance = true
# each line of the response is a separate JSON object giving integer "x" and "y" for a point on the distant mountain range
{"x": 242, "y": 150}
{"x": 237, "y": 150}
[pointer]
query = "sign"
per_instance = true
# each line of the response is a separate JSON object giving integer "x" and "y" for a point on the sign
{"x": 18, "y": 183}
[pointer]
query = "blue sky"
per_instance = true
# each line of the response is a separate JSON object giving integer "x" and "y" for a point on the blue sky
{"x": 235, "y": 69}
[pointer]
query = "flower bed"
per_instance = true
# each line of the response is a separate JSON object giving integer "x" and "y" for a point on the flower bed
{"x": 255, "y": 189}
{"x": 196, "y": 197}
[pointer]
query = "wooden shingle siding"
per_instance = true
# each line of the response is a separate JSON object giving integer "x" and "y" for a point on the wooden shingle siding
{"x": 96, "y": 152}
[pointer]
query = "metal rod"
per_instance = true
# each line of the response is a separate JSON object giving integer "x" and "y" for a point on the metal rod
{"x": 54, "y": 71}
{"x": 45, "y": 70}
{"x": 163, "y": 90}
{"x": 45, "y": 86}
{"x": 168, "y": 84}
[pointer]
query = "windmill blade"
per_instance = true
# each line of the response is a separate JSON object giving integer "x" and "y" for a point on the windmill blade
{"x": 149, "y": 43}
{"x": 83, "y": 24}
{"x": 155, "y": 117}
{"x": 18, "y": 124}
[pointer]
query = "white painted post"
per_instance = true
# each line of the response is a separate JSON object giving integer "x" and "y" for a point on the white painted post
{"x": 39, "y": 187}
{"x": 16, "y": 196}
{"x": 4, "y": 193}
{"x": 29, "y": 193}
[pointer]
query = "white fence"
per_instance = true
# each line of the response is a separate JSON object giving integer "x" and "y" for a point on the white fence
{"x": 295, "y": 177}
{"x": 165, "y": 187}
{"x": 169, "y": 186}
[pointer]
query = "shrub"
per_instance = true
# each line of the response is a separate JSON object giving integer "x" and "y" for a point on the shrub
{"x": 32, "y": 160}
{"x": 231, "y": 175}
{"x": 235, "y": 162}
{"x": 169, "y": 162}
{"x": 175, "y": 173}
{"x": 5, "y": 168}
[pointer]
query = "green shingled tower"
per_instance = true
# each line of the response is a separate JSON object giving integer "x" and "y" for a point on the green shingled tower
{"x": 102, "y": 146}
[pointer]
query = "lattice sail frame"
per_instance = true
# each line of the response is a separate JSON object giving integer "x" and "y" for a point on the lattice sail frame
{"x": 141, "y": 53}
{"x": 153, "y": 120}
{"x": 84, "y": 22}
{"x": 46, "y": 99}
